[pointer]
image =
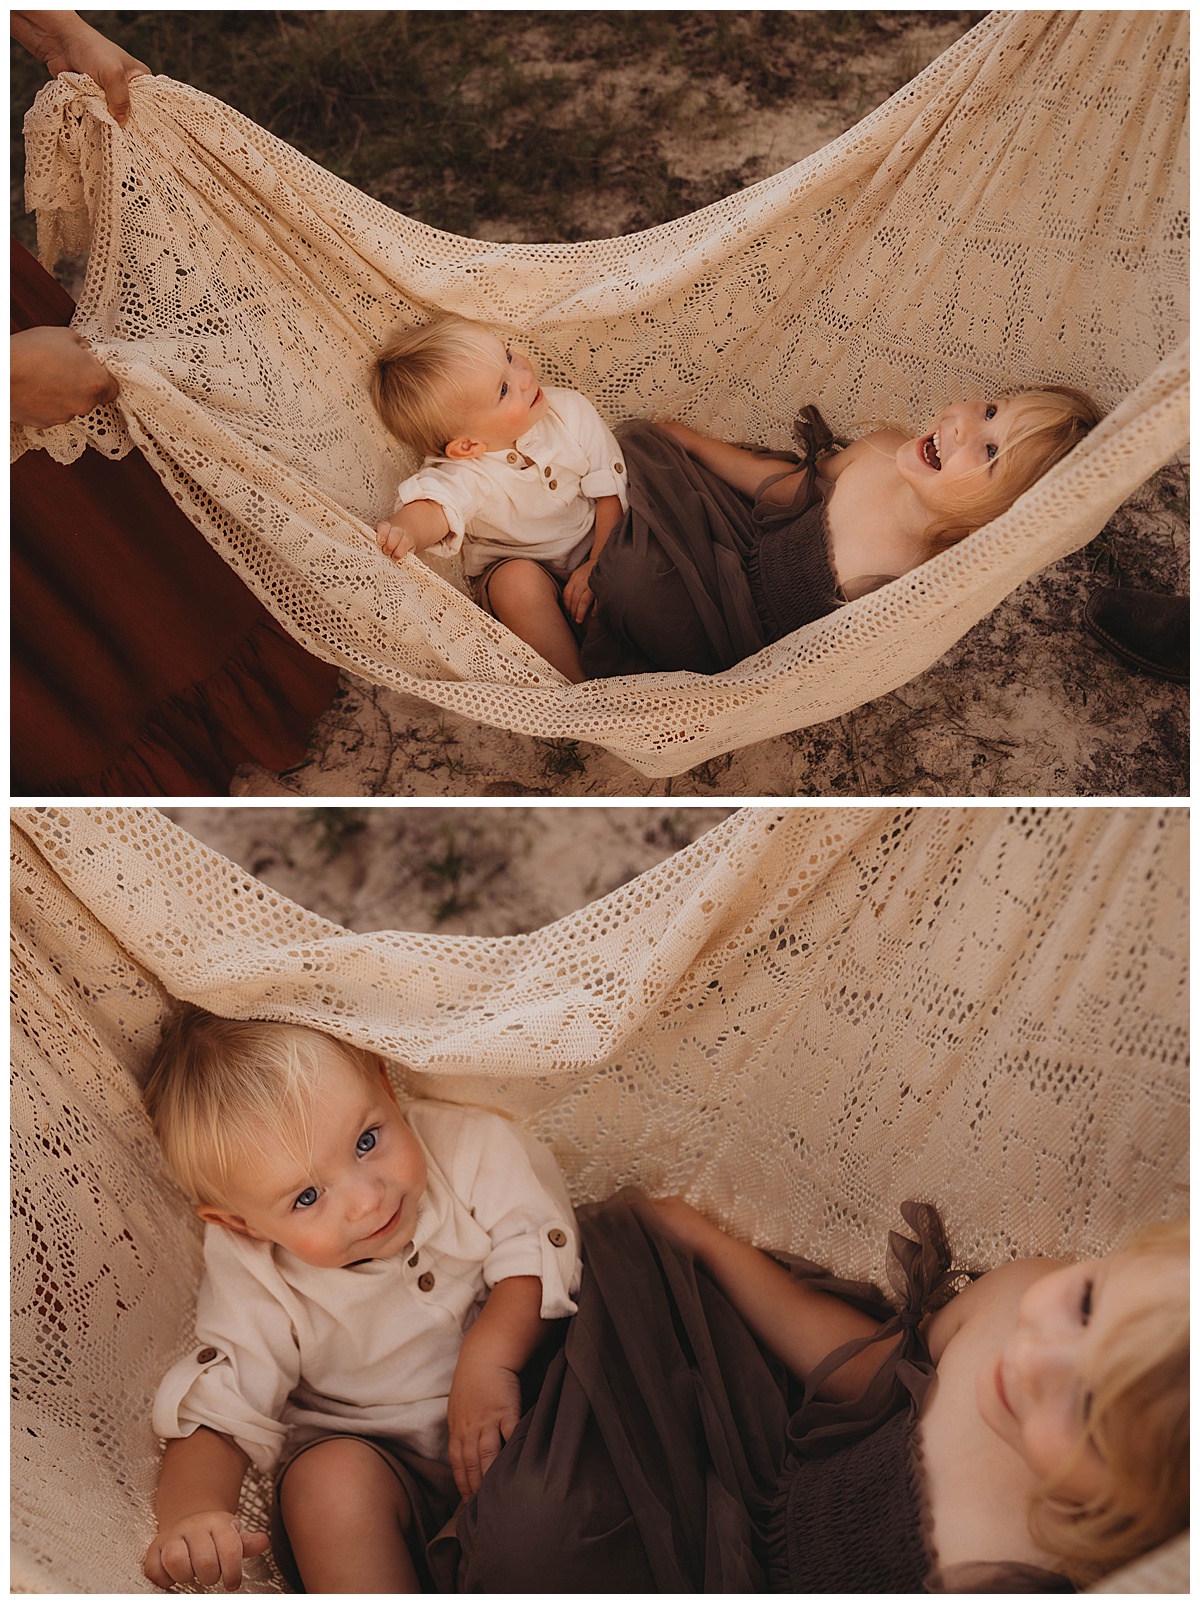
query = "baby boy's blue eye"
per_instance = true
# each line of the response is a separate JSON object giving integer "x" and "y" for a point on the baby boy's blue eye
{"x": 366, "y": 1141}
{"x": 503, "y": 391}
{"x": 991, "y": 451}
{"x": 990, "y": 413}
{"x": 307, "y": 1198}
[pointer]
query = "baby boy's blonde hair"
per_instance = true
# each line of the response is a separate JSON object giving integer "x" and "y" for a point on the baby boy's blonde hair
{"x": 219, "y": 1086}
{"x": 421, "y": 376}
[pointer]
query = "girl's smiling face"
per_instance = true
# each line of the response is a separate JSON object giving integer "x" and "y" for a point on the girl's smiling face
{"x": 1037, "y": 1395}
{"x": 961, "y": 458}
{"x": 358, "y": 1195}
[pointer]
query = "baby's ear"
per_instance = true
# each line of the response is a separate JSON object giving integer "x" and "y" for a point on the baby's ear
{"x": 463, "y": 448}
{"x": 231, "y": 1222}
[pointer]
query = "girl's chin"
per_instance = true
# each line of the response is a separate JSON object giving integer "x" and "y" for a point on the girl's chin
{"x": 916, "y": 473}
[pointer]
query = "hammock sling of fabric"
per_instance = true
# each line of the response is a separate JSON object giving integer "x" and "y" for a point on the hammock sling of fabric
{"x": 1016, "y": 215}
{"x": 802, "y": 1019}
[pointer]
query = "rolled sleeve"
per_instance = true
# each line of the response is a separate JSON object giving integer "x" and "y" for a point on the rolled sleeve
{"x": 520, "y": 1199}
{"x": 246, "y": 1361}
{"x": 606, "y": 475}
{"x": 552, "y": 1253}
{"x": 203, "y": 1392}
{"x": 456, "y": 492}
{"x": 607, "y": 481}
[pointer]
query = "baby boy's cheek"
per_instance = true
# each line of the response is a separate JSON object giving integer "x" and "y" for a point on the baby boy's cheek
{"x": 414, "y": 1159}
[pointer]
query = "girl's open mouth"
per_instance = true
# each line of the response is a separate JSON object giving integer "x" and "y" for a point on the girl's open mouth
{"x": 930, "y": 452}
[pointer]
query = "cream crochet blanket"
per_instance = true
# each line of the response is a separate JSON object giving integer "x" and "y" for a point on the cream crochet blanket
{"x": 1015, "y": 215}
{"x": 801, "y": 1020}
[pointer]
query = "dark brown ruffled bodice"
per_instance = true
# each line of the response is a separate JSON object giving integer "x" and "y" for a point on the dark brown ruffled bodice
{"x": 850, "y": 1515}
{"x": 789, "y": 568}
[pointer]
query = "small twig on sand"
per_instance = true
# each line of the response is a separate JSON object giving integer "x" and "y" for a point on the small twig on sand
{"x": 856, "y": 762}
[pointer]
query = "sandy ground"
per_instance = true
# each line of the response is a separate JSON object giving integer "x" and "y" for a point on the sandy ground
{"x": 1025, "y": 704}
{"x": 478, "y": 871}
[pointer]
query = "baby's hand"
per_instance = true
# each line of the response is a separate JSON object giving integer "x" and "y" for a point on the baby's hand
{"x": 394, "y": 540}
{"x": 578, "y": 599}
{"x": 207, "y": 1547}
{"x": 484, "y": 1407}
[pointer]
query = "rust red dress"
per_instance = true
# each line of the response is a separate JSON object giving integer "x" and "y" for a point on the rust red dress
{"x": 141, "y": 664}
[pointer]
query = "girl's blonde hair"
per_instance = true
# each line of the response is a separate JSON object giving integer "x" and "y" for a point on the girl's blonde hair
{"x": 1139, "y": 1425}
{"x": 420, "y": 379}
{"x": 217, "y": 1085}
{"x": 1054, "y": 420}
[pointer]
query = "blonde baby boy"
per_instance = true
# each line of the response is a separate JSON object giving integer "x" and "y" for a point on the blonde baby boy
{"x": 376, "y": 1277}
{"x": 527, "y": 482}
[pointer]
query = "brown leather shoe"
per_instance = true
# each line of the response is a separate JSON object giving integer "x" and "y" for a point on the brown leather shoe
{"x": 1146, "y": 629}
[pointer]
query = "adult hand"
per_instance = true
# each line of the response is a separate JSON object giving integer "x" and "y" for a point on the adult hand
{"x": 54, "y": 377}
{"x": 68, "y": 44}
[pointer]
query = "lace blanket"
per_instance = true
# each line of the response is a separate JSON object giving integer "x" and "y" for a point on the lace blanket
{"x": 802, "y": 1019}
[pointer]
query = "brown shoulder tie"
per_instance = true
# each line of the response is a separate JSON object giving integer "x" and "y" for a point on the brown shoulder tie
{"x": 812, "y": 435}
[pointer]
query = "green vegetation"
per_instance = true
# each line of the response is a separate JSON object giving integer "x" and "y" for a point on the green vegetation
{"x": 561, "y": 759}
{"x": 334, "y": 829}
{"x": 500, "y": 121}
{"x": 444, "y": 875}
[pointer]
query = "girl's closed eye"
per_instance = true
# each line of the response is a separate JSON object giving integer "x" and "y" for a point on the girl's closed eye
{"x": 1085, "y": 1303}
{"x": 307, "y": 1198}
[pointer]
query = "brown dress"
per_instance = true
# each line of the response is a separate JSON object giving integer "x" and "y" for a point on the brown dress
{"x": 696, "y": 575}
{"x": 141, "y": 664}
{"x": 668, "y": 1452}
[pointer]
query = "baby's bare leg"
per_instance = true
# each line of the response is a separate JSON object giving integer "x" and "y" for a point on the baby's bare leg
{"x": 524, "y": 596}
{"x": 347, "y": 1519}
